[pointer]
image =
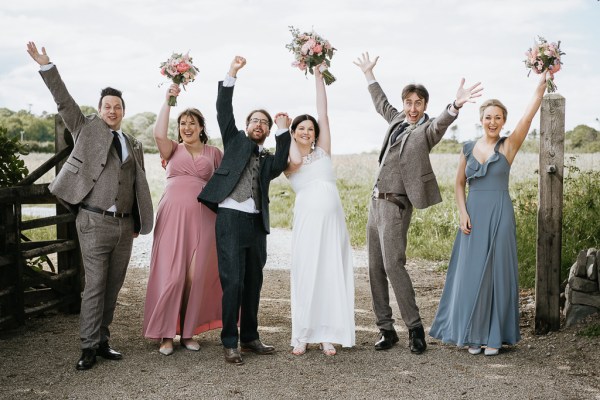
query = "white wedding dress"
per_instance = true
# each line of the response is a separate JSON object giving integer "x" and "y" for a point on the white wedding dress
{"x": 322, "y": 279}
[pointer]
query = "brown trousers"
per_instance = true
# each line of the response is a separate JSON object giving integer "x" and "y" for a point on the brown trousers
{"x": 387, "y": 229}
{"x": 105, "y": 244}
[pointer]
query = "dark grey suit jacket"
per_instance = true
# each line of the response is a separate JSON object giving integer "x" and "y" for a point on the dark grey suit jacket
{"x": 238, "y": 149}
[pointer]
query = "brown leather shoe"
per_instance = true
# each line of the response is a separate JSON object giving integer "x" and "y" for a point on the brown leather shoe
{"x": 233, "y": 356}
{"x": 258, "y": 347}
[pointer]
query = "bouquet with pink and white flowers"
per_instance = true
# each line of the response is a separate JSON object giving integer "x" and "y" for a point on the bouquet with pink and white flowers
{"x": 310, "y": 51}
{"x": 180, "y": 70}
{"x": 542, "y": 57}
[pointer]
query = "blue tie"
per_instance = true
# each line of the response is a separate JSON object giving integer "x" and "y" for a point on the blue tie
{"x": 399, "y": 131}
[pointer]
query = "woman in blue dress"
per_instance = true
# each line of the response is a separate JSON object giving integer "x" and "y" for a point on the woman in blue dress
{"x": 479, "y": 306}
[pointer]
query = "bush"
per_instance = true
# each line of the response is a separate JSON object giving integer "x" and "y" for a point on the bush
{"x": 12, "y": 168}
{"x": 580, "y": 227}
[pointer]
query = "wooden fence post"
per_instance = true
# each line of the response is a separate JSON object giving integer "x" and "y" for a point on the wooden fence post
{"x": 549, "y": 237}
{"x": 68, "y": 259}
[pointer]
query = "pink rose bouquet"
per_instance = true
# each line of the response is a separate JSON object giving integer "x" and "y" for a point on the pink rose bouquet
{"x": 542, "y": 57}
{"x": 310, "y": 51}
{"x": 180, "y": 70}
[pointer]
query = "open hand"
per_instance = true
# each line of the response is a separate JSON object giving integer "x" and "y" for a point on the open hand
{"x": 365, "y": 63}
{"x": 41, "y": 59}
{"x": 467, "y": 95}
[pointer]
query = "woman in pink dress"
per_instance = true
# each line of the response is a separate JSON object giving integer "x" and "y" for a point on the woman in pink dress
{"x": 184, "y": 291}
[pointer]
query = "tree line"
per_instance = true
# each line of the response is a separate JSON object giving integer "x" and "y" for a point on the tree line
{"x": 37, "y": 131}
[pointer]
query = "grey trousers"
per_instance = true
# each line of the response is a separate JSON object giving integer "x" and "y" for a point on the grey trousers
{"x": 387, "y": 229}
{"x": 105, "y": 244}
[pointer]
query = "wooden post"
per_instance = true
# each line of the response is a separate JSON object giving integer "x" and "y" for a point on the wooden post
{"x": 549, "y": 237}
{"x": 70, "y": 259}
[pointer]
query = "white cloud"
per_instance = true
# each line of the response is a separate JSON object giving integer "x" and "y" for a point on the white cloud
{"x": 122, "y": 43}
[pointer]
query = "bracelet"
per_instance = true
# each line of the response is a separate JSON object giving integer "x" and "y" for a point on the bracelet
{"x": 455, "y": 106}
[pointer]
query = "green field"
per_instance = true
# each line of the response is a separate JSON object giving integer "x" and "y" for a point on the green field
{"x": 433, "y": 230}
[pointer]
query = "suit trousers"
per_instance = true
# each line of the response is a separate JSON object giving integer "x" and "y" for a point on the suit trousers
{"x": 105, "y": 244}
{"x": 242, "y": 254}
{"x": 387, "y": 229}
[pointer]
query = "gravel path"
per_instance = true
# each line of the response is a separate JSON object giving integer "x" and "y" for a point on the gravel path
{"x": 278, "y": 251}
{"x": 37, "y": 361}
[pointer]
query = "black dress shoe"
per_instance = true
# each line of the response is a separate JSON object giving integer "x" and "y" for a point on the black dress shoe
{"x": 87, "y": 360}
{"x": 233, "y": 356}
{"x": 106, "y": 352}
{"x": 258, "y": 347}
{"x": 416, "y": 340}
{"x": 386, "y": 340}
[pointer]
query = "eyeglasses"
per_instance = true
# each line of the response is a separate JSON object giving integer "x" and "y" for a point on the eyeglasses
{"x": 259, "y": 121}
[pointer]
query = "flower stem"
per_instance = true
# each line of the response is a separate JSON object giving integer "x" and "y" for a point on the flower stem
{"x": 328, "y": 77}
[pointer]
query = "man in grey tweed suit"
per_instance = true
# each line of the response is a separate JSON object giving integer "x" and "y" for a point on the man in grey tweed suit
{"x": 239, "y": 193}
{"x": 104, "y": 177}
{"x": 405, "y": 179}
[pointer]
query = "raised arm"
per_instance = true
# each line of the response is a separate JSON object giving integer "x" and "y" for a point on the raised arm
{"x": 161, "y": 128}
{"x": 324, "y": 140}
{"x": 380, "y": 101}
{"x": 282, "y": 145}
{"x": 295, "y": 157}
{"x": 464, "y": 95}
{"x": 67, "y": 107}
{"x": 225, "y": 116}
{"x": 515, "y": 139}
{"x": 366, "y": 65}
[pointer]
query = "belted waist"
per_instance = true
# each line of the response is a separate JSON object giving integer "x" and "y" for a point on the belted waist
{"x": 391, "y": 197}
{"x": 386, "y": 196}
{"x": 103, "y": 212}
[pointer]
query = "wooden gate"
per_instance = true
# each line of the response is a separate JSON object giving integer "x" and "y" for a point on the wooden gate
{"x": 25, "y": 289}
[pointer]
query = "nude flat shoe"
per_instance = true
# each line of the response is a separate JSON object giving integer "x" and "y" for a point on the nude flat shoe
{"x": 489, "y": 351}
{"x": 190, "y": 344}
{"x": 166, "y": 347}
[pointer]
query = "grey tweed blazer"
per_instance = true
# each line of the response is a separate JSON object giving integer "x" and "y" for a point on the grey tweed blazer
{"x": 414, "y": 165}
{"x": 93, "y": 141}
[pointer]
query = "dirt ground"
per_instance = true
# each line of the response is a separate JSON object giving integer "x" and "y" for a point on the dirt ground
{"x": 38, "y": 360}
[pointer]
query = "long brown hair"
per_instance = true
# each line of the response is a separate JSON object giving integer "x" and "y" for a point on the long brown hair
{"x": 197, "y": 115}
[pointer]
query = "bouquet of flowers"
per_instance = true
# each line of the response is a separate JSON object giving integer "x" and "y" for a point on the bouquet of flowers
{"x": 310, "y": 51}
{"x": 542, "y": 57}
{"x": 180, "y": 70}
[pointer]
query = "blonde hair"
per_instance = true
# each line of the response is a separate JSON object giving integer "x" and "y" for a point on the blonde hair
{"x": 492, "y": 103}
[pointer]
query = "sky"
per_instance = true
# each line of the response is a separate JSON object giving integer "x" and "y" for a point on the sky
{"x": 122, "y": 43}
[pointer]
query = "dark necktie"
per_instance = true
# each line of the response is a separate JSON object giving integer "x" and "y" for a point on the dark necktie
{"x": 117, "y": 144}
{"x": 400, "y": 129}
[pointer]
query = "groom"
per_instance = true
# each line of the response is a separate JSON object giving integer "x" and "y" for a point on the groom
{"x": 405, "y": 179}
{"x": 239, "y": 193}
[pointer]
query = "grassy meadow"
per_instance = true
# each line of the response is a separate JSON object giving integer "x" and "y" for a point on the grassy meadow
{"x": 432, "y": 230}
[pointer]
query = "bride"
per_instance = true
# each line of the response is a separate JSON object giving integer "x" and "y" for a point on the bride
{"x": 322, "y": 280}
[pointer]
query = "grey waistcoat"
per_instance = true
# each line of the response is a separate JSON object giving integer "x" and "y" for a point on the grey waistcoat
{"x": 109, "y": 190}
{"x": 389, "y": 178}
{"x": 249, "y": 184}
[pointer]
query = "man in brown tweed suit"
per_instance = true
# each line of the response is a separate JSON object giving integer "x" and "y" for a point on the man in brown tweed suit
{"x": 104, "y": 177}
{"x": 405, "y": 179}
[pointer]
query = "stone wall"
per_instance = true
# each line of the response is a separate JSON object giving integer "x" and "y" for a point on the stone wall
{"x": 582, "y": 293}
